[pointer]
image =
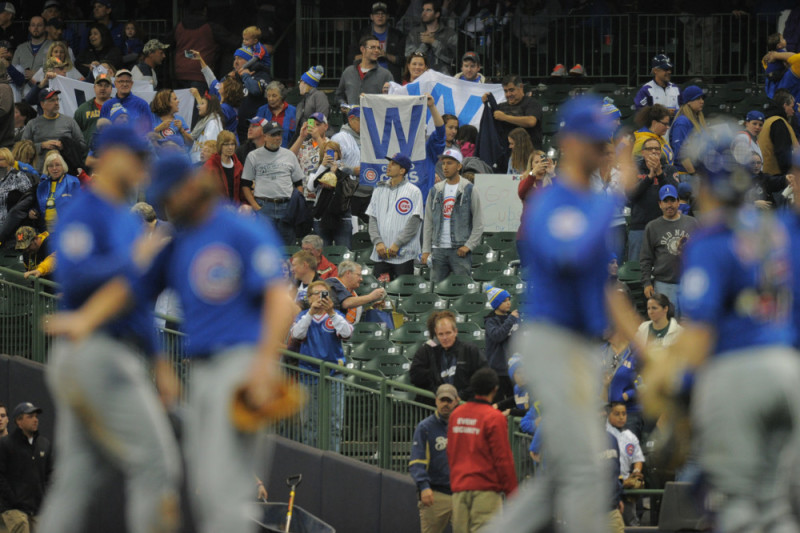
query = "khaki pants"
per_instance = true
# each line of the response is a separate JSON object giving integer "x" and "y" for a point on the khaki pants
{"x": 18, "y": 522}
{"x": 615, "y": 522}
{"x": 434, "y": 519}
{"x": 472, "y": 509}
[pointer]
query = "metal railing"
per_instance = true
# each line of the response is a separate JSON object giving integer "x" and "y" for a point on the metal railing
{"x": 358, "y": 414}
{"x": 614, "y": 48}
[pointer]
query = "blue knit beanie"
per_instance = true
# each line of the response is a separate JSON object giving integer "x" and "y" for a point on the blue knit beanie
{"x": 313, "y": 75}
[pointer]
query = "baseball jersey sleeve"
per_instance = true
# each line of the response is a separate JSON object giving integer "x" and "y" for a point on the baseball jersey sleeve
{"x": 702, "y": 283}
{"x": 154, "y": 280}
{"x": 638, "y": 456}
{"x": 420, "y": 458}
{"x": 261, "y": 255}
{"x": 643, "y": 98}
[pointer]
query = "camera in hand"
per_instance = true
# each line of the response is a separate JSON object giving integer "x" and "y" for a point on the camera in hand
{"x": 323, "y": 295}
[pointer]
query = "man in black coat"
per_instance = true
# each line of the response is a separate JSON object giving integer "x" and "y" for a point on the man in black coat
{"x": 450, "y": 361}
{"x": 26, "y": 464}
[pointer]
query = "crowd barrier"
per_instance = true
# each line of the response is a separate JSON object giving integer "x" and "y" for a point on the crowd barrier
{"x": 614, "y": 48}
{"x": 378, "y": 414}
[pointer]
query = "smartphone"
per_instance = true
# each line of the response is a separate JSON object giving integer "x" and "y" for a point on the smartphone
{"x": 188, "y": 54}
{"x": 330, "y": 153}
{"x": 323, "y": 295}
{"x": 311, "y": 123}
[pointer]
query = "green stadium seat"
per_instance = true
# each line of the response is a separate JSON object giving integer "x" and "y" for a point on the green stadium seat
{"x": 364, "y": 331}
{"x": 290, "y": 250}
{"x": 391, "y": 366}
{"x": 409, "y": 333}
{"x": 370, "y": 349}
{"x": 630, "y": 271}
{"x": 470, "y": 304}
{"x": 408, "y": 284}
{"x": 502, "y": 240}
{"x": 490, "y": 271}
{"x": 409, "y": 350}
{"x": 550, "y": 123}
{"x": 606, "y": 89}
{"x": 337, "y": 254}
{"x": 471, "y": 332}
{"x": 421, "y": 302}
{"x": 454, "y": 286}
{"x": 482, "y": 254}
{"x": 361, "y": 240}
{"x": 513, "y": 284}
{"x": 362, "y": 257}
{"x": 508, "y": 255}
{"x": 368, "y": 284}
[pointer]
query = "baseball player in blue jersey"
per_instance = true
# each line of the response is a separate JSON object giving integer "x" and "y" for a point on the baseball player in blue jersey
{"x": 109, "y": 416}
{"x": 736, "y": 291}
{"x": 227, "y": 273}
{"x": 566, "y": 246}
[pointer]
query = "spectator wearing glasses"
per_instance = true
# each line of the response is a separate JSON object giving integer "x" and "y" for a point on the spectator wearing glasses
{"x": 659, "y": 90}
{"x": 138, "y": 109}
{"x": 654, "y": 173}
{"x": 434, "y": 39}
{"x": 366, "y": 77}
{"x": 653, "y": 123}
{"x": 391, "y": 40}
{"x": 690, "y": 119}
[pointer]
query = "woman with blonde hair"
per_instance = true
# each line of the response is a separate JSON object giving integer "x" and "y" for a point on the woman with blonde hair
{"x": 538, "y": 174}
{"x": 23, "y": 153}
{"x": 521, "y": 147}
{"x": 689, "y": 119}
{"x": 56, "y": 189}
{"x": 226, "y": 167}
{"x": 60, "y": 51}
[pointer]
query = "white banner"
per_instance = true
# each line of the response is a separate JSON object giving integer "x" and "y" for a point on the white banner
{"x": 74, "y": 93}
{"x": 453, "y": 96}
{"x": 392, "y": 124}
{"x": 500, "y": 202}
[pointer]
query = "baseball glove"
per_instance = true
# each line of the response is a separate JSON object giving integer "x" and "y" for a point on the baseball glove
{"x": 290, "y": 398}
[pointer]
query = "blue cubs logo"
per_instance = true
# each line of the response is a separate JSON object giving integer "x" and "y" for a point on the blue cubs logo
{"x": 404, "y": 206}
{"x": 370, "y": 175}
{"x": 215, "y": 273}
{"x": 629, "y": 449}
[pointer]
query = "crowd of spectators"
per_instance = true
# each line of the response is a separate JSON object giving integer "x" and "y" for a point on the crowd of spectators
{"x": 288, "y": 164}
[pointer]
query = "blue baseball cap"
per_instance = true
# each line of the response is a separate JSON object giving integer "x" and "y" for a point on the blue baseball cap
{"x": 354, "y": 112}
{"x": 684, "y": 190}
{"x": 401, "y": 160}
{"x": 661, "y": 61}
{"x": 754, "y": 115}
{"x": 667, "y": 191}
{"x": 584, "y": 117}
{"x": 168, "y": 171}
{"x": 319, "y": 117}
{"x": 692, "y": 93}
{"x": 122, "y": 136}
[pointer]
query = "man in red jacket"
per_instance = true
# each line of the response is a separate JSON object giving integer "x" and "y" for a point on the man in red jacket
{"x": 481, "y": 464}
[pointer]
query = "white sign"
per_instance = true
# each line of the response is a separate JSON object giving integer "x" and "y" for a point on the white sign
{"x": 452, "y": 96}
{"x": 500, "y": 203}
{"x": 71, "y": 89}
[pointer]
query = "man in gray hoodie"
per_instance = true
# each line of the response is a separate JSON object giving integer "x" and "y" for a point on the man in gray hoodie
{"x": 366, "y": 77}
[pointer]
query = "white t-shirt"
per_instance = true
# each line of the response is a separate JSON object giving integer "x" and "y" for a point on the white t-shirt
{"x": 629, "y": 450}
{"x": 392, "y": 209}
{"x": 447, "y": 211}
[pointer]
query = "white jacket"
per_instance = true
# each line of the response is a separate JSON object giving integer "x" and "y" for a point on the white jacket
{"x": 674, "y": 329}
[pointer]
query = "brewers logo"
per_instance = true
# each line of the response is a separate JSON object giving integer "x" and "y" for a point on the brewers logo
{"x": 404, "y": 206}
{"x": 215, "y": 273}
{"x": 370, "y": 175}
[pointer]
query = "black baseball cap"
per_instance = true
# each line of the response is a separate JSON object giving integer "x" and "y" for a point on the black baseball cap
{"x": 25, "y": 408}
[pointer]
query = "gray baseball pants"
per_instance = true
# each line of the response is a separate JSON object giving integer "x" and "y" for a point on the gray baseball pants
{"x": 109, "y": 417}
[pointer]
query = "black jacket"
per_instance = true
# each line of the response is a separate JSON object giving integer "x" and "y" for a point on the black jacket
{"x": 643, "y": 199}
{"x": 426, "y": 372}
{"x": 489, "y": 147}
{"x": 24, "y": 471}
{"x": 498, "y": 329}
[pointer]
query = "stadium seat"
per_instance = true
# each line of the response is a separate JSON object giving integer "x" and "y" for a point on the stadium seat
{"x": 361, "y": 240}
{"x": 454, "y": 286}
{"x": 368, "y": 284}
{"x": 508, "y": 255}
{"x": 513, "y": 284}
{"x": 337, "y": 254}
{"x": 370, "y": 349}
{"x": 362, "y": 256}
{"x": 605, "y": 89}
{"x": 502, "y": 240}
{"x": 490, "y": 271}
{"x": 549, "y": 123}
{"x": 555, "y": 94}
{"x": 364, "y": 331}
{"x": 471, "y": 332}
{"x": 482, "y": 254}
{"x": 389, "y": 365}
{"x": 629, "y": 271}
{"x": 291, "y": 250}
{"x": 407, "y": 284}
{"x": 470, "y": 304}
{"x": 410, "y": 332}
{"x": 421, "y": 302}
{"x": 410, "y": 350}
